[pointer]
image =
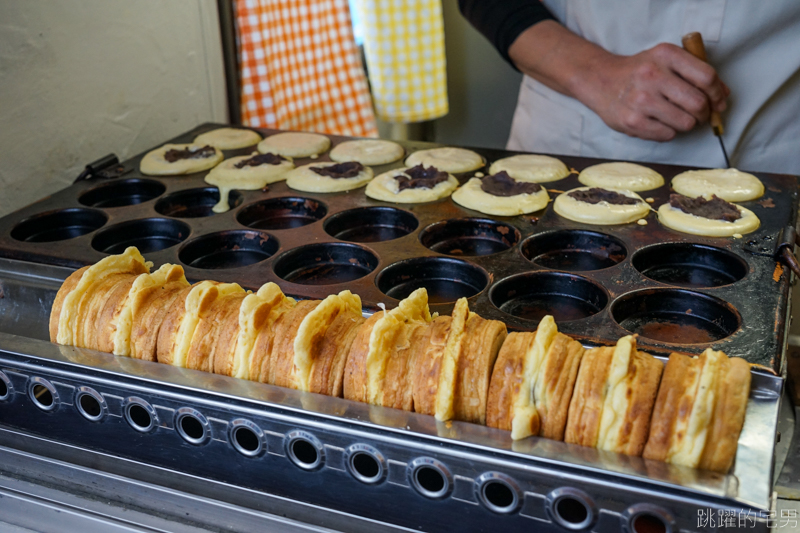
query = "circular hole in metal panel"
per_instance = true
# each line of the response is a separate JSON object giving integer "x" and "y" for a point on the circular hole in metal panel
{"x": 122, "y": 193}
{"x": 140, "y": 415}
{"x": 90, "y": 404}
{"x": 647, "y": 518}
{"x": 365, "y": 463}
{"x": 6, "y": 387}
{"x": 247, "y": 438}
{"x": 571, "y": 508}
{"x": 532, "y": 295}
{"x": 43, "y": 394}
{"x": 649, "y": 523}
{"x": 469, "y": 237}
{"x": 325, "y": 264}
{"x": 59, "y": 225}
{"x": 574, "y": 250}
{"x": 690, "y": 265}
{"x": 282, "y": 213}
{"x": 371, "y": 224}
{"x": 430, "y": 478}
{"x": 445, "y": 279}
{"x": 498, "y": 492}
{"x": 194, "y": 203}
{"x": 147, "y": 234}
{"x": 305, "y": 450}
{"x": 228, "y": 249}
{"x": 192, "y": 426}
{"x": 676, "y": 316}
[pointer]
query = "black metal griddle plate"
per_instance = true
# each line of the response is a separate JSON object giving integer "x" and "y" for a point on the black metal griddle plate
{"x": 701, "y": 291}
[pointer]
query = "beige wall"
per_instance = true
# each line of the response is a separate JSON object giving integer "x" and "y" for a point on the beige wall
{"x": 481, "y": 86}
{"x": 83, "y": 78}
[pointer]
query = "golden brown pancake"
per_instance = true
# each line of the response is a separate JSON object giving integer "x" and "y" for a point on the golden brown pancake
{"x": 700, "y": 411}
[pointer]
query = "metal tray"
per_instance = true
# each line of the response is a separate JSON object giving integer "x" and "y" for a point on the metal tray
{"x": 613, "y": 488}
{"x": 299, "y": 249}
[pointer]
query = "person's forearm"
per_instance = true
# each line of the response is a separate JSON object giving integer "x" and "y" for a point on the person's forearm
{"x": 556, "y": 57}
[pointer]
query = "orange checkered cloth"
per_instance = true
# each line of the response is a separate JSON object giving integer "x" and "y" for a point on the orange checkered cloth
{"x": 300, "y": 68}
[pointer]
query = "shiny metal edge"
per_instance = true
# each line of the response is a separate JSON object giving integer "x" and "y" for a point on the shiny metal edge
{"x": 750, "y": 483}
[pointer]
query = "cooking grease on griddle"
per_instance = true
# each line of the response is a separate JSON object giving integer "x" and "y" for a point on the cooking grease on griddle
{"x": 173, "y": 155}
{"x": 595, "y": 195}
{"x": 714, "y": 209}
{"x": 349, "y": 169}
{"x": 501, "y": 184}
{"x": 261, "y": 159}
{"x": 419, "y": 177}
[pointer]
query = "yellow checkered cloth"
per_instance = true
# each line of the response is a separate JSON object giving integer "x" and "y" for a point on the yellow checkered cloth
{"x": 404, "y": 47}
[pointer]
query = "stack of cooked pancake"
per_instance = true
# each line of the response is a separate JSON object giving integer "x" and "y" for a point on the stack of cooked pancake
{"x": 459, "y": 367}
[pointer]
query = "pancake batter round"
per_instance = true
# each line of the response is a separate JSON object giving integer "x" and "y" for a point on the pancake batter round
{"x": 629, "y": 176}
{"x": 477, "y": 195}
{"x": 295, "y": 144}
{"x": 228, "y": 138}
{"x": 452, "y": 160}
{"x": 386, "y": 187}
{"x": 344, "y": 177}
{"x": 672, "y": 216}
{"x": 176, "y": 159}
{"x": 602, "y": 212}
{"x": 727, "y": 183}
{"x": 530, "y": 167}
{"x": 368, "y": 152}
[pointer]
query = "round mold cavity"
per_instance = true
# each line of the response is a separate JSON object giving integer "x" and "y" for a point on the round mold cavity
{"x": 304, "y": 450}
{"x": 371, "y": 224}
{"x": 325, "y": 264}
{"x": 228, "y": 249}
{"x": 43, "y": 394}
{"x": 192, "y": 426}
{"x": 365, "y": 463}
{"x": 6, "y": 388}
{"x": 282, "y": 213}
{"x": 469, "y": 237}
{"x": 147, "y": 234}
{"x": 647, "y": 518}
{"x": 676, "y": 316}
{"x": 571, "y": 508}
{"x": 246, "y": 437}
{"x": 59, "y": 225}
{"x": 90, "y": 404}
{"x": 446, "y": 280}
{"x": 498, "y": 492}
{"x": 139, "y": 414}
{"x": 122, "y": 193}
{"x": 574, "y": 250}
{"x": 532, "y": 295}
{"x": 430, "y": 477}
{"x": 194, "y": 203}
{"x": 690, "y": 265}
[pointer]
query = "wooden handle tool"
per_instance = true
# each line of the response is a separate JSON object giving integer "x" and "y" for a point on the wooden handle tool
{"x": 693, "y": 43}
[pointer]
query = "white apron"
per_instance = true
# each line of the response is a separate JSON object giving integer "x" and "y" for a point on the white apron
{"x": 755, "y": 47}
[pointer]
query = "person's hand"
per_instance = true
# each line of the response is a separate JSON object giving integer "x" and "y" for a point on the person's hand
{"x": 654, "y": 94}
{"x": 651, "y": 95}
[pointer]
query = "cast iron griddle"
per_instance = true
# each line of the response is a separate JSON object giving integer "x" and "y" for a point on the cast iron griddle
{"x": 678, "y": 292}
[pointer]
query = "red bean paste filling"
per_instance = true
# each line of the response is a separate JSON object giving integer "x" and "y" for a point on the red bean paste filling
{"x": 419, "y": 177}
{"x": 349, "y": 169}
{"x": 261, "y": 159}
{"x": 714, "y": 209}
{"x": 501, "y": 184}
{"x": 173, "y": 155}
{"x": 595, "y": 195}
